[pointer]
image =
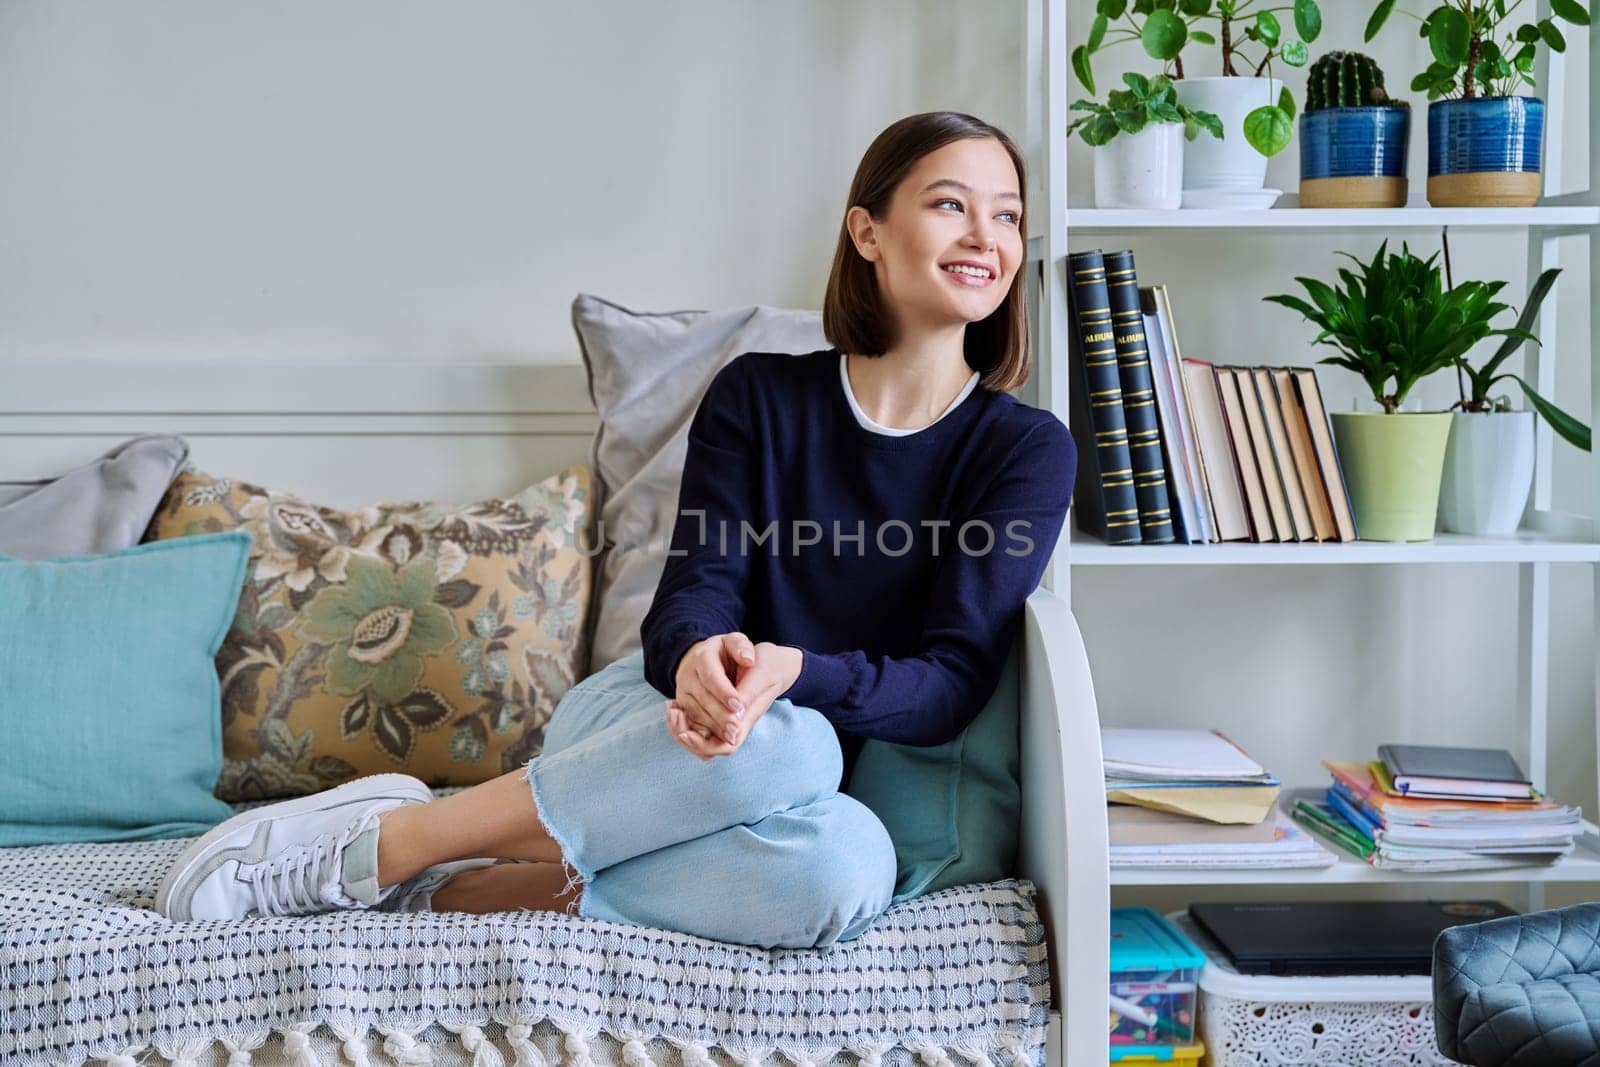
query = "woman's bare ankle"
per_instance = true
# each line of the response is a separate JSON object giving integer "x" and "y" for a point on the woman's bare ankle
{"x": 527, "y": 886}
{"x": 396, "y": 863}
{"x": 497, "y": 818}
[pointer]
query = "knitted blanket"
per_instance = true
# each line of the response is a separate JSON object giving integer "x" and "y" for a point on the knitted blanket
{"x": 89, "y": 971}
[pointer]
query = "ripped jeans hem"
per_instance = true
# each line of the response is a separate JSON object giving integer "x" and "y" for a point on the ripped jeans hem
{"x": 576, "y": 876}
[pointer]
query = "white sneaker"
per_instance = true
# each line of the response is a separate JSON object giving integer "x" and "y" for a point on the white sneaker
{"x": 417, "y": 894}
{"x": 311, "y": 854}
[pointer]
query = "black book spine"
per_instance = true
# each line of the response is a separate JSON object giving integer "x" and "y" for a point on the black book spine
{"x": 1138, "y": 399}
{"x": 1107, "y": 506}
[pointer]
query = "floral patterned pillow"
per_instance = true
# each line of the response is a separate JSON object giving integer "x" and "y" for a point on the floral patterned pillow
{"x": 415, "y": 637}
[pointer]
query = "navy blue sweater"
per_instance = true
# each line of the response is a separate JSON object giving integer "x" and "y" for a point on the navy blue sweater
{"x": 897, "y": 564}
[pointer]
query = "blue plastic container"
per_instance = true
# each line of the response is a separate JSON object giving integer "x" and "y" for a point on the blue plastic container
{"x": 1354, "y": 142}
{"x": 1174, "y": 1054}
{"x": 1157, "y": 970}
{"x": 1485, "y": 152}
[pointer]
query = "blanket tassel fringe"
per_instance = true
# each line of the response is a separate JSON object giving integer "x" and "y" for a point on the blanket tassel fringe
{"x": 404, "y": 1047}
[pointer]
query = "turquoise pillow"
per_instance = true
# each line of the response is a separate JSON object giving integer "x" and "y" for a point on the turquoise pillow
{"x": 109, "y": 700}
{"x": 953, "y": 810}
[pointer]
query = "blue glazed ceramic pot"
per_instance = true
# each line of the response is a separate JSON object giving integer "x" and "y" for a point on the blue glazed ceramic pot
{"x": 1485, "y": 152}
{"x": 1354, "y": 156}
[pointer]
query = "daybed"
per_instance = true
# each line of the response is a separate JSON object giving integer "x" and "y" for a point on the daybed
{"x": 89, "y": 972}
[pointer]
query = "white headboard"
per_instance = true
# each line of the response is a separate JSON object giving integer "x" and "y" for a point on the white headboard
{"x": 337, "y": 434}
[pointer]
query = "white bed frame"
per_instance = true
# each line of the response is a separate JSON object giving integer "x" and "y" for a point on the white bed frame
{"x": 345, "y": 434}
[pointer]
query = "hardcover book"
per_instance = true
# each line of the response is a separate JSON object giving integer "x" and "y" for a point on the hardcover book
{"x": 1160, "y": 304}
{"x": 1309, "y": 393}
{"x": 1187, "y": 524}
{"x": 1261, "y": 446}
{"x": 1138, "y": 400}
{"x": 1421, "y": 770}
{"x": 1283, "y": 454}
{"x": 1175, "y": 352}
{"x": 1255, "y": 494}
{"x": 1216, "y": 453}
{"x": 1103, "y": 497}
{"x": 1305, "y": 462}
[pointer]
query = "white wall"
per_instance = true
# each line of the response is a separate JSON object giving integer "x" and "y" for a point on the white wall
{"x": 373, "y": 179}
{"x": 403, "y": 180}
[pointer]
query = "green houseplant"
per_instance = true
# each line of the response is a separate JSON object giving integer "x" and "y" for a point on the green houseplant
{"x": 1488, "y": 464}
{"x": 1256, "y": 112}
{"x": 1476, "y": 382}
{"x": 1138, "y": 135}
{"x": 1484, "y": 143}
{"x": 1394, "y": 323}
{"x": 1145, "y": 102}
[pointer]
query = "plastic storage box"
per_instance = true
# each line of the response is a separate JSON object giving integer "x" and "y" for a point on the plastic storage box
{"x": 1155, "y": 973}
{"x": 1273, "y": 1021}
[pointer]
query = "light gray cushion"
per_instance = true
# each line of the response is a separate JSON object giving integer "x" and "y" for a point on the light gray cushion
{"x": 102, "y": 506}
{"x": 647, "y": 373}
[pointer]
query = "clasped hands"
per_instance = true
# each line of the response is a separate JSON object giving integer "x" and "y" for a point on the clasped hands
{"x": 725, "y": 684}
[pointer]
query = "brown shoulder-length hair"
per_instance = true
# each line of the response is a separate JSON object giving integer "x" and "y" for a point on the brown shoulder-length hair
{"x": 853, "y": 316}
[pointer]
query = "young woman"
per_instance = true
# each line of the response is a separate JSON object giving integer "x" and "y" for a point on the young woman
{"x": 857, "y": 531}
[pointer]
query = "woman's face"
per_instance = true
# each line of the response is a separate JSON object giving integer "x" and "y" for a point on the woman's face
{"x": 960, "y": 205}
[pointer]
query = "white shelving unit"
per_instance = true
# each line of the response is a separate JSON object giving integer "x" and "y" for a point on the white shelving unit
{"x": 1413, "y": 217}
{"x": 1527, "y": 547}
{"x": 1582, "y": 866}
{"x": 1548, "y": 536}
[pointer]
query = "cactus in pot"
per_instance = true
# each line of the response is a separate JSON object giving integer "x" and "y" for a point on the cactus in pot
{"x": 1352, "y": 136}
{"x": 1346, "y": 79}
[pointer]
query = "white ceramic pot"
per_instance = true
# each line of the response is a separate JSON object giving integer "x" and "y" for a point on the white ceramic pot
{"x": 1488, "y": 470}
{"x": 1229, "y": 163}
{"x": 1141, "y": 170}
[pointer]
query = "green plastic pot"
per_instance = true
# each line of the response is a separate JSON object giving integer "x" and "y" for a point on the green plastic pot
{"x": 1392, "y": 466}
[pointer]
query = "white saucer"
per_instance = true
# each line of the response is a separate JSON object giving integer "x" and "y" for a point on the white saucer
{"x": 1235, "y": 199}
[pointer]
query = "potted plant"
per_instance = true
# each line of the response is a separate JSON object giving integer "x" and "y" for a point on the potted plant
{"x": 1394, "y": 320}
{"x": 1138, "y": 137}
{"x": 1352, "y": 136}
{"x": 1488, "y": 462}
{"x": 1256, "y": 112}
{"x": 1484, "y": 144}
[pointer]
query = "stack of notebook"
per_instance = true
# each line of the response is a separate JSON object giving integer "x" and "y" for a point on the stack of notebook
{"x": 1192, "y": 798}
{"x": 1447, "y": 809}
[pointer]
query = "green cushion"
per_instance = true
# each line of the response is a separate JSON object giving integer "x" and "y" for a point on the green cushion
{"x": 953, "y": 810}
{"x": 109, "y": 698}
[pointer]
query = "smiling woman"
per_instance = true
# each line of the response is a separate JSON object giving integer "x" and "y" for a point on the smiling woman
{"x": 922, "y": 304}
{"x": 722, "y": 753}
{"x": 933, "y": 192}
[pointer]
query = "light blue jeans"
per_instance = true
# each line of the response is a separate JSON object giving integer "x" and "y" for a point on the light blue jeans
{"x": 757, "y": 848}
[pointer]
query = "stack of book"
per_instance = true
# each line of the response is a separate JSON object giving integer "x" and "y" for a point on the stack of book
{"x": 1433, "y": 808}
{"x": 1182, "y": 450}
{"x": 1192, "y": 798}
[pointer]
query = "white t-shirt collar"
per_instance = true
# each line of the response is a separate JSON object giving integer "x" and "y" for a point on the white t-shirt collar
{"x": 890, "y": 431}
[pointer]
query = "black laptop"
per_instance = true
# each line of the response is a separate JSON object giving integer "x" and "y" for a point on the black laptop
{"x": 1336, "y": 937}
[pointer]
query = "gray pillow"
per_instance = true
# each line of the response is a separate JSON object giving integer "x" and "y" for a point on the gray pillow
{"x": 647, "y": 373}
{"x": 102, "y": 506}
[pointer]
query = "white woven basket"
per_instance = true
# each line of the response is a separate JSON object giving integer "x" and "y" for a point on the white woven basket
{"x": 1265, "y": 1021}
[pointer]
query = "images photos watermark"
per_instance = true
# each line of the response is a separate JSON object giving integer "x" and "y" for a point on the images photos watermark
{"x": 893, "y": 537}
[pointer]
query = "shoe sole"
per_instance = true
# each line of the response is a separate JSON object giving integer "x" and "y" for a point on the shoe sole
{"x": 371, "y": 787}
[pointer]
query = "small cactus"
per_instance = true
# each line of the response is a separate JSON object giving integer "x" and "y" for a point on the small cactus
{"x": 1346, "y": 79}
